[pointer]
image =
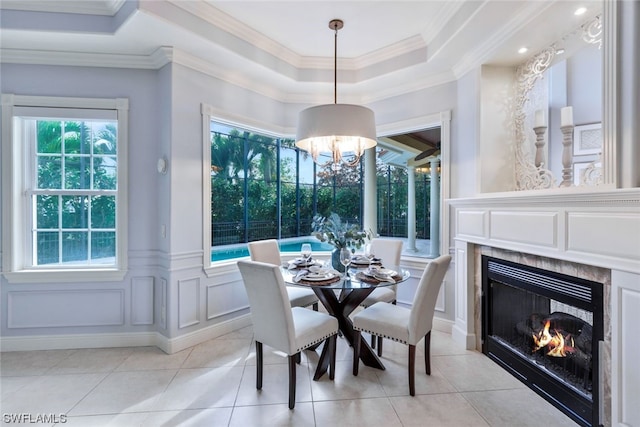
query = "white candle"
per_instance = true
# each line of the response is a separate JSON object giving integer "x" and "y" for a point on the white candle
{"x": 566, "y": 116}
{"x": 539, "y": 122}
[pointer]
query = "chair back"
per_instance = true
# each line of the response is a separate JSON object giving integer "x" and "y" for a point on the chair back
{"x": 389, "y": 250}
{"x": 265, "y": 251}
{"x": 424, "y": 301}
{"x": 270, "y": 307}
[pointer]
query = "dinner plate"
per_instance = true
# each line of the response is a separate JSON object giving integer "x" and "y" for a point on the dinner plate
{"x": 314, "y": 277}
{"x": 382, "y": 272}
{"x": 361, "y": 261}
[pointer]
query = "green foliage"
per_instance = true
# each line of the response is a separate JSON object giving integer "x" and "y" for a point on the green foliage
{"x": 337, "y": 233}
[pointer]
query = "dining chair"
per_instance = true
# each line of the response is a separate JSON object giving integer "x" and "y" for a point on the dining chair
{"x": 402, "y": 324}
{"x": 268, "y": 251}
{"x": 389, "y": 251}
{"x": 282, "y": 327}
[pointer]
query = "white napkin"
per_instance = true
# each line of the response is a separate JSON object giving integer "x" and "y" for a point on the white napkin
{"x": 300, "y": 275}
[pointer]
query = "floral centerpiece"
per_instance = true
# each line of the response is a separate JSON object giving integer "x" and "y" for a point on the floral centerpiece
{"x": 339, "y": 234}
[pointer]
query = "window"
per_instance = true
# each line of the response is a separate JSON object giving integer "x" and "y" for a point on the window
{"x": 262, "y": 186}
{"x": 64, "y": 197}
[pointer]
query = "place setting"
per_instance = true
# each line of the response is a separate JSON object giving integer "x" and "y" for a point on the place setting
{"x": 378, "y": 274}
{"x": 305, "y": 260}
{"x": 366, "y": 259}
{"x": 317, "y": 275}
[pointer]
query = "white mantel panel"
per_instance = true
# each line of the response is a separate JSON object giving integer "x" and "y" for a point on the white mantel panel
{"x": 625, "y": 349}
{"x": 472, "y": 223}
{"x": 604, "y": 233}
{"x": 531, "y": 228}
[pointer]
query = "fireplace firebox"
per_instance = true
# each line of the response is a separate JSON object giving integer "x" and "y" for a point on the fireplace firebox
{"x": 545, "y": 328}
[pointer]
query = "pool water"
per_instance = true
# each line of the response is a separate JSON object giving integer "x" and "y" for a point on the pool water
{"x": 238, "y": 251}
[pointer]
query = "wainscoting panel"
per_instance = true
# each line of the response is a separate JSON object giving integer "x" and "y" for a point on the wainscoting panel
{"x": 537, "y": 228}
{"x": 65, "y": 309}
{"x": 226, "y": 298}
{"x": 142, "y": 300}
{"x": 605, "y": 233}
{"x": 473, "y": 223}
{"x": 188, "y": 302}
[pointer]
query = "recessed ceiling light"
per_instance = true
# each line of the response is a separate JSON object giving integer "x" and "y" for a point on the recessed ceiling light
{"x": 580, "y": 11}
{"x": 522, "y": 50}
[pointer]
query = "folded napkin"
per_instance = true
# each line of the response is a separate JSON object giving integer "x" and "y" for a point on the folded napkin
{"x": 300, "y": 275}
{"x": 387, "y": 279}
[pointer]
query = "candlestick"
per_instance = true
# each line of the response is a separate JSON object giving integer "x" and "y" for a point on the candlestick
{"x": 566, "y": 116}
{"x": 539, "y": 119}
{"x": 540, "y": 143}
{"x": 567, "y": 164}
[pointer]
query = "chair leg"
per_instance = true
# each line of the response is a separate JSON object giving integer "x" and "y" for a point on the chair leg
{"x": 292, "y": 381}
{"x": 315, "y": 306}
{"x": 333, "y": 342}
{"x": 298, "y": 357}
{"x": 427, "y": 353}
{"x": 258, "y": 365}
{"x": 356, "y": 352}
{"x": 373, "y": 341}
{"x": 412, "y": 370}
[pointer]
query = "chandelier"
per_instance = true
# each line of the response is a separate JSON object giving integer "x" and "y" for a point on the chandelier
{"x": 342, "y": 131}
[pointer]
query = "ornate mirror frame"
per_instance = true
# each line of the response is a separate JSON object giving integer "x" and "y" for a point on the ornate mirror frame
{"x": 532, "y": 174}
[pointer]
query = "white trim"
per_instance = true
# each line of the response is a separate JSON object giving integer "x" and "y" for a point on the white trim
{"x": 124, "y": 339}
{"x": 68, "y": 341}
{"x": 173, "y": 345}
{"x": 14, "y": 243}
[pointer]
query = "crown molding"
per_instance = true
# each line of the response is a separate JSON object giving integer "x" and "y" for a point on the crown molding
{"x": 81, "y": 59}
{"x": 94, "y": 7}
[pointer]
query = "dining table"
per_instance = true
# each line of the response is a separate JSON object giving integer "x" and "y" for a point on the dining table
{"x": 341, "y": 293}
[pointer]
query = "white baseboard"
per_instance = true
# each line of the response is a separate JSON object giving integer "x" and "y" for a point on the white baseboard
{"x": 125, "y": 339}
{"x": 462, "y": 337}
{"x": 63, "y": 342}
{"x": 173, "y": 345}
{"x": 443, "y": 325}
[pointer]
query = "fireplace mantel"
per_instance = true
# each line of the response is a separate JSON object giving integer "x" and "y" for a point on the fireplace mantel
{"x": 589, "y": 228}
{"x": 600, "y": 228}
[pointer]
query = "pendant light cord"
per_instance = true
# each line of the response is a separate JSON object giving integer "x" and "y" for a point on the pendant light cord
{"x": 335, "y": 66}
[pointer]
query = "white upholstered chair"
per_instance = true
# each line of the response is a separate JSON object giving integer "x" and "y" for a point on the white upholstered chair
{"x": 402, "y": 324}
{"x": 389, "y": 251}
{"x": 285, "y": 328}
{"x": 269, "y": 251}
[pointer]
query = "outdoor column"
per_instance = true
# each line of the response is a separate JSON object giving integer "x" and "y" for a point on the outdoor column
{"x": 370, "y": 220}
{"x": 411, "y": 207}
{"x": 434, "y": 206}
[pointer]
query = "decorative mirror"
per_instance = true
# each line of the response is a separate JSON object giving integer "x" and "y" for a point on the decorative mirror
{"x": 558, "y": 111}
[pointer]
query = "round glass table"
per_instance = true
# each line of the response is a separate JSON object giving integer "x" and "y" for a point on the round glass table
{"x": 340, "y": 297}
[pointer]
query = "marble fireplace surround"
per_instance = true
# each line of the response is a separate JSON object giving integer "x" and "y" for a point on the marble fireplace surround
{"x": 592, "y": 235}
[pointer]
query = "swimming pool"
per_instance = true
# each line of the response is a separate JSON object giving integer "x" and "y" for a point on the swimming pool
{"x": 223, "y": 253}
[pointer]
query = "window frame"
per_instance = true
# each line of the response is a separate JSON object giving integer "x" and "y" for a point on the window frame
{"x": 17, "y": 263}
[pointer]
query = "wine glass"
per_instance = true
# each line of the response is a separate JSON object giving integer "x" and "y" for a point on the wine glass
{"x": 305, "y": 251}
{"x": 345, "y": 259}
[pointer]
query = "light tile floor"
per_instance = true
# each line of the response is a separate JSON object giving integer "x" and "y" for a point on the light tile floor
{"x": 213, "y": 384}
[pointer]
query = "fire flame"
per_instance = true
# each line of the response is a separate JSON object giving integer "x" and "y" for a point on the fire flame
{"x": 556, "y": 343}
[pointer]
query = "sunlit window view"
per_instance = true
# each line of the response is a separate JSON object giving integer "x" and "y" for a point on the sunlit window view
{"x": 73, "y": 190}
{"x": 264, "y": 187}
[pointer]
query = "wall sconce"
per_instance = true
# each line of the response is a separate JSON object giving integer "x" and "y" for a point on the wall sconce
{"x": 162, "y": 166}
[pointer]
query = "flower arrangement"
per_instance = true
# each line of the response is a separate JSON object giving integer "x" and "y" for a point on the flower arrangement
{"x": 337, "y": 233}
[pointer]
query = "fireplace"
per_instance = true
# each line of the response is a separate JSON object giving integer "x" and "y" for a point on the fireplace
{"x": 545, "y": 328}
